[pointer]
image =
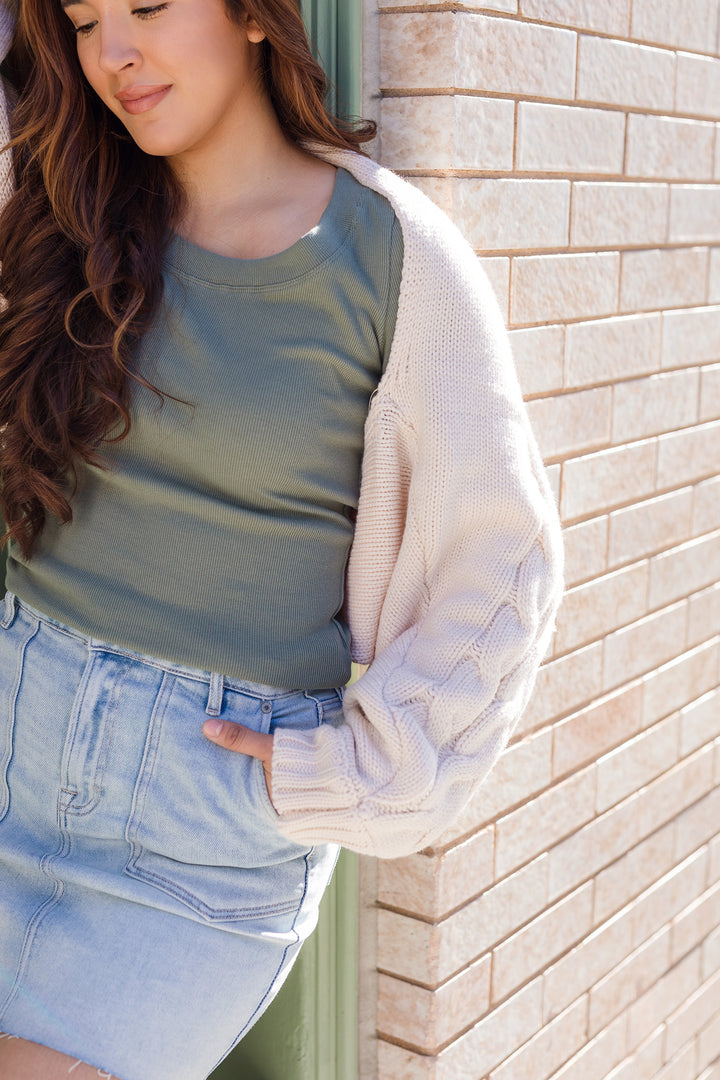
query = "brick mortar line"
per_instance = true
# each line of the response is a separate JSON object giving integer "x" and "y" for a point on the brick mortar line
{"x": 696, "y": 425}
{"x": 688, "y": 652}
{"x": 562, "y": 778}
{"x": 543, "y": 99}
{"x": 589, "y": 703}
{"x": 713, "y": 534}
{"x": 589, "y": 448}
{"x": 612, "y": 691}
{"x": 570, "y": 176}
{"x": 605, "y": 316}
{"x": 519, "y": 327}
{"x": 386, "y": 1037}
{"x": 641, "y": 500}
{"x": 596, "y": 927}
{"x": 706, "y": 893}
{"x": 544, "y": 252}
{"x": 709, "y": 643}
{"x": 627, "y": 688}
{"x": 697, "y": 368}
{"x": 526, "y": 253}
{"x": 578, "y": 455}
{"x": 665, "y": 606}
{"x": 454, "y": 8}
{"x": 516, "y": 135}
{"x": 649, "y": 555}
{"x": 656, "y": 492}
{"x": 700, "y": 388}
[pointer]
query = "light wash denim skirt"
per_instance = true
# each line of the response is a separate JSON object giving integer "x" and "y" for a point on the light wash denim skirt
{"x": 149, "y": 908}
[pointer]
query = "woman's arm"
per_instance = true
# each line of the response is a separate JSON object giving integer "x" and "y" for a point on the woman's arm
{"x": 458, "y": 530}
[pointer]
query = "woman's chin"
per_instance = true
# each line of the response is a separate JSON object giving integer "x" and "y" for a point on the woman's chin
{"x": 155, "y": 147}
{"x": 155, "y": 144}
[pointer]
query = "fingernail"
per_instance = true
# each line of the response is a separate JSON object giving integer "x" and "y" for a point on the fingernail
{"x": 212, "y": 727}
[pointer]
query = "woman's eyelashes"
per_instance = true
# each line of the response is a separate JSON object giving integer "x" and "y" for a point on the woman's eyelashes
{"x": 149, "y": 12}
{"x": 142, "y": 13}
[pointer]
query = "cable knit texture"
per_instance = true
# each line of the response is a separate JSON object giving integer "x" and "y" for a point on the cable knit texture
{"x": 6, "y": 183}
{"x": 455, "y": 570}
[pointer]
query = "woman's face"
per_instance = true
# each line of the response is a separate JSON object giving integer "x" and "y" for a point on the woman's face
{"x": 179, "y": 75}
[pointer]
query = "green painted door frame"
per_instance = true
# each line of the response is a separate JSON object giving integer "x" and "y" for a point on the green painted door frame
{"x": 335, "y": 28}
{"x": 310, "y": 1030}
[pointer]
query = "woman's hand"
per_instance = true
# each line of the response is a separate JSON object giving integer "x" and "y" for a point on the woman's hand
{"x": 242, "y": 740}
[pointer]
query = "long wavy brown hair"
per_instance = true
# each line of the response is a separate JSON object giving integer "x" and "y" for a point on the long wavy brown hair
{"x": 81, "y": 248}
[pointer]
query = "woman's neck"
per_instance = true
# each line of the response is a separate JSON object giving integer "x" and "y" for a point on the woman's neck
{"x": 253, "y": 194}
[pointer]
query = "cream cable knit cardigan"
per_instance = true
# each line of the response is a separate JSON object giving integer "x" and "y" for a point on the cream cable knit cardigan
{"x": 455, "y": 571}
{"x": 454, "y": 576}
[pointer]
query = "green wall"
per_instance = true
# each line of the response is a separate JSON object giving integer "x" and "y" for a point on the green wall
{"x": 335, "y": 28}
{"x": 310, "y": 1030}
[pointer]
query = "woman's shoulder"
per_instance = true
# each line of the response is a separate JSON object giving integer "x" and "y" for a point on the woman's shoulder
{"x": 440, "y": 265}
{"x": 447, "y": 308}
{"x": 426, "y": 228}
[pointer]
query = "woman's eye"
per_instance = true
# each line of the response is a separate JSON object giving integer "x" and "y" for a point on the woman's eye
{"x": 149, "y": 12}
{"x": 141, "y": 12}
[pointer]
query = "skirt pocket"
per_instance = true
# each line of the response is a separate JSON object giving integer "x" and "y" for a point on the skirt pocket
{"x": 199, "y": 828}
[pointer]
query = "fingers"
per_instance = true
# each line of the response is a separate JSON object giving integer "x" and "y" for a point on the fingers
{"x": 239, "y": 739}
{"x": 242, "y": 740}
{"x": 268, "y": 779}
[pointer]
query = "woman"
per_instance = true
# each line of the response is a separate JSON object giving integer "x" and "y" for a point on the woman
{"x": 205, "y": 286}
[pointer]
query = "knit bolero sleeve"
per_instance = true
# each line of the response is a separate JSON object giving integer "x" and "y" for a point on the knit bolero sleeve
{"x": 7, "y": 24}
{"x": 455, "y": 574}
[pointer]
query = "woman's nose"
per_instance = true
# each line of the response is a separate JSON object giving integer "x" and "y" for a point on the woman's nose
{"x": 117, "y": 50}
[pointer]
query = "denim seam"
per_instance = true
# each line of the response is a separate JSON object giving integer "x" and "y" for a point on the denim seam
{"x": 8, "y": 752}
{"x": 260, "y": 1004}
{"x": 147, "y": 765}
{"x": 69, "y": 747}
{"x": 133, "y": 866}
{"x": 196, "y": 903}
{"x": 37, "y": 917}
{"x": 107, "y": 737}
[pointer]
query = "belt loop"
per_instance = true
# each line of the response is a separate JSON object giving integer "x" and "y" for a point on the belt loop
{"x": 7, "y": 619}
{"x": 215, "y": 696}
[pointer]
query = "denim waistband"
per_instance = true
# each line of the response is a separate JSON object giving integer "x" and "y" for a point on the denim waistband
{"x": 13, "y": 603}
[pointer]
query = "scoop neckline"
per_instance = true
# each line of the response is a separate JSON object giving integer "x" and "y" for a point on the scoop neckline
{"x": 305, "y": 254}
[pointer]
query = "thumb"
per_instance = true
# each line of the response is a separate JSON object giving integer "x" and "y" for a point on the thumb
{"x": 239, "y": 739}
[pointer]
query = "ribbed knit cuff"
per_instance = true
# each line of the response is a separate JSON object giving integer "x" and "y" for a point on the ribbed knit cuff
{"x": 312, "y": 770}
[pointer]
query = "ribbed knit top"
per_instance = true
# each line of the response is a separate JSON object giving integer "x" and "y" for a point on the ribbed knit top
{"x": 219, "y": 533}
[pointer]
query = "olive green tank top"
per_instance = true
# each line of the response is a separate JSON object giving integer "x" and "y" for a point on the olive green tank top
{"x": 219, "y": 532}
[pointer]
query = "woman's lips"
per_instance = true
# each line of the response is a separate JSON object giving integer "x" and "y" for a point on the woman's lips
{"x": 140, "y": 99}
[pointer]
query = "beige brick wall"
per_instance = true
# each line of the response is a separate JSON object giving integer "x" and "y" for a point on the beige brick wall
{"x": 568, "y": 926}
